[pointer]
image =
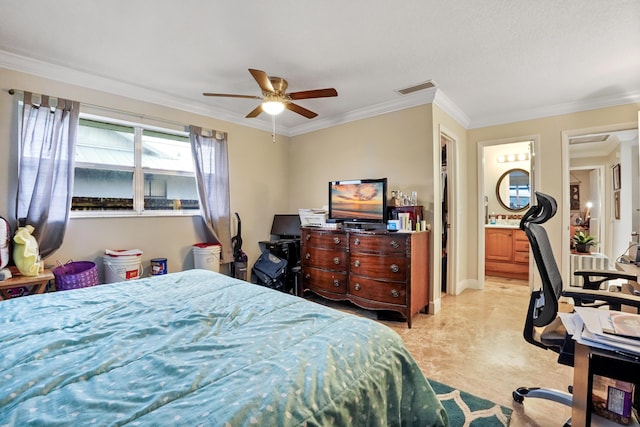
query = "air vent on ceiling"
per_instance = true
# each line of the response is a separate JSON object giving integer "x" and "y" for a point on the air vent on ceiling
{"x": 589, "y": 138}
{"x": 415, "y": 88}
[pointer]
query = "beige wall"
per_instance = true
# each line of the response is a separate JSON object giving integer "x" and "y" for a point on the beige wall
{"x": 258, "y": 176}
{"x": 395, "y": 145}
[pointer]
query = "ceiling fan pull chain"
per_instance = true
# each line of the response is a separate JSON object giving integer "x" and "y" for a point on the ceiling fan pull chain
{"x": 273, "y": 134}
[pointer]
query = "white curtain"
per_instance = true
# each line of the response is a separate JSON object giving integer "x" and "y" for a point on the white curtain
{"x": 45, "y": 168}
{"x": 212, "y": 175}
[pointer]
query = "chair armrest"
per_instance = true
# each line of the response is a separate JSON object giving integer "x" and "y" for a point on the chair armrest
{"x": 604, "y": 275}
{"x": 613, "y": 299}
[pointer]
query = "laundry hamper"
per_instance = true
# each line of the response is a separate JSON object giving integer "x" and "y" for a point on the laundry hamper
{"x": 75, "y": 274}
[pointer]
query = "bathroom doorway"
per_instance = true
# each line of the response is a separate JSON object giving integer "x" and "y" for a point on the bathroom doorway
{"x": 506, "y": 176}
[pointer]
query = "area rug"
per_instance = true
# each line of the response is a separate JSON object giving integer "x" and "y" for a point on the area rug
{"x": 465, "y": 409}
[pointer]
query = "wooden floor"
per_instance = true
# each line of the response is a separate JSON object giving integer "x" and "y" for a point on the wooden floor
{"x": 475, "y": 344}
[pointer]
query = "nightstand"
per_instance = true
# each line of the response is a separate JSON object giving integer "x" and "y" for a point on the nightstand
{"x": 38, "y": 282}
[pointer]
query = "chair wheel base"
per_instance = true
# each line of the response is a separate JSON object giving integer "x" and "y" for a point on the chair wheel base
{"x": 542, "y": 393}
{"x": 517, "y": 397}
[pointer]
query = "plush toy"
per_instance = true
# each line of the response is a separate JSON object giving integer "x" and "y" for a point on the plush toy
{"x": 26, "y": 254}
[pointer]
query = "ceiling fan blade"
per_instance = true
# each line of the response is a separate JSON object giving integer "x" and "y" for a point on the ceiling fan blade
{"x": 317, "y": 93}
{"x": 255, "y": 112}
{"x": 228, "y": 95}
{"x": 300, "y": 110}
{"x": 262, "y": 79}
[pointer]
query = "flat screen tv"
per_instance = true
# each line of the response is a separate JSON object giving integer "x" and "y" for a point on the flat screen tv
{"x": 358, "y": 201}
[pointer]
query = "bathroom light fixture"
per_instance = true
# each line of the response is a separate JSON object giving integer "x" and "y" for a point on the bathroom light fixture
{"x": 514, "y": 157}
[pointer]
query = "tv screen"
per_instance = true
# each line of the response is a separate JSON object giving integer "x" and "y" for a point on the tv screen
{"x": 363, "y": 200}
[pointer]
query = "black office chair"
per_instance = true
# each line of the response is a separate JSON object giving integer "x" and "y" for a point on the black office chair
{"x": 543, "y": 327}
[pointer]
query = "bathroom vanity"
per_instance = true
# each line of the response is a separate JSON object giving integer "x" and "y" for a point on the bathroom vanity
{"x": 506, "y": 252}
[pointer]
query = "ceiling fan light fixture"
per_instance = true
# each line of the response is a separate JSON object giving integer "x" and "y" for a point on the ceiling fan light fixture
{"x": 272, "y": 107}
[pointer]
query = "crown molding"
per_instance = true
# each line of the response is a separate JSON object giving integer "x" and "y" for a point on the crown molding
{"x": 92, "y": 81}
{"x": 443, "y": 101}
{"x": 95, "y": 82}
{"x": 434, "y": 95}
{"x": 555, "y": 110}
{"x": 403, "y": 102}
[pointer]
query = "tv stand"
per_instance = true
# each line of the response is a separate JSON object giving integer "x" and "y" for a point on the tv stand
{"x": 376, "y": 270}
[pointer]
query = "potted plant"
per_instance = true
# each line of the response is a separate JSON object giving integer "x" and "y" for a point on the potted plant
{"x": 583, "y": 242}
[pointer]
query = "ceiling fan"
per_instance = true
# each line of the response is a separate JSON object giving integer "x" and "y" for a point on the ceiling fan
{"x": 275, "y": 99}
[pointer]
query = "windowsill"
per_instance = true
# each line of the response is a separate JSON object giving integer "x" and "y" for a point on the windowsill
{"x": 116, "y": 214}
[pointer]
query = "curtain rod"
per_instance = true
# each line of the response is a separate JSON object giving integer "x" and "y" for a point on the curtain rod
{"x": 114, "y": 110}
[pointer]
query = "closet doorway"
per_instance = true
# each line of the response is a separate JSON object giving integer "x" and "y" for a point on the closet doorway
{"x": 445, "y": 146}
{"x": 449, "y": 245}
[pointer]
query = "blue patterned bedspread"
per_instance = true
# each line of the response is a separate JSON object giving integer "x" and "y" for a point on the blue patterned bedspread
{"x": 200, "y": 348}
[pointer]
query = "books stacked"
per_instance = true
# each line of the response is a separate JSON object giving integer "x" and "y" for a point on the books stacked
{"x": 615, "y": 331}
{"x": 609, "y": 330}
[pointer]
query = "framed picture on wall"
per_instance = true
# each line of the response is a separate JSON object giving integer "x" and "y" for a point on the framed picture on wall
{"x": 616, "y": 204}
{"x": 616, "y": 177}
{"x": 574, "y": 191}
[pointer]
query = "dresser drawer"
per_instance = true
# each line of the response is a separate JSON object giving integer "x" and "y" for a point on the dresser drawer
{"x": 394, "y": 244}
{"x": 324, "y": 258}
{"x": 381, "y": 267}
{"x": 324, "y": 239}
{"x": 370, "y": 289}
{"x": 330, "y": 281}
{"x": 521, "y": 246}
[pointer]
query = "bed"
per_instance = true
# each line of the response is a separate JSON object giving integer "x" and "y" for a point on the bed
{"x": 200, "y": 348}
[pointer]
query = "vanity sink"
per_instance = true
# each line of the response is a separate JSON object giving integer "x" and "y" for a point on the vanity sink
{"x": 500, "y": 226}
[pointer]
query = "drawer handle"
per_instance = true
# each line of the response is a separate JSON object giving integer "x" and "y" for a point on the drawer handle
{"x": 336, "y": 283}
{"x": 307, "y": 237}
{"x": 395, "y": 293}
{"x": 307, "y": 276}
{"x": 356, "y": 286}
{"x": 307, "y": 256}
{"x": 356, "y": 241}
{"x": 336, "y": 240}
{"x": 394, "y": 244}
{"x": 336, "y": 261}
{"x": 356, "y": 263}
{"x": 394, "y": 268}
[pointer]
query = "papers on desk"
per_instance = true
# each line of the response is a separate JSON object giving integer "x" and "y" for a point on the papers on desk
{"x": 587, "y": 325}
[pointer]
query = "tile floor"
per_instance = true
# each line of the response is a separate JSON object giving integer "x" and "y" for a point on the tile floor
{"x": 475, "y": 344}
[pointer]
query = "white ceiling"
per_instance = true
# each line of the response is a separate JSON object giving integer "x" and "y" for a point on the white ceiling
{"x": 494, "y": 61}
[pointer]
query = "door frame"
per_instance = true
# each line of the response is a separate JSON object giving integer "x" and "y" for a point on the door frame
{"x": 453, "y": 254}
{"x": 566, "y": 179}
{"x": 534, "y": 179}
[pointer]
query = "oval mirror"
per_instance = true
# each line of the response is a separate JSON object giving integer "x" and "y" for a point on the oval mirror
{"x": 513, "y": 190}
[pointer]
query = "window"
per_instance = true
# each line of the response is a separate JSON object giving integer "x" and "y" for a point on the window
{"x": 132, "y": 169}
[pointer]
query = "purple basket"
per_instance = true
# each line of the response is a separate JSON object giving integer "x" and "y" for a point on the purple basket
{"x": 75, "y": 274}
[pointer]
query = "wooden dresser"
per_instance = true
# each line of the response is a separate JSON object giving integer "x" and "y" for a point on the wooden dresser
{"x": 506, "y": 253}
{"x": 374, "y": 270}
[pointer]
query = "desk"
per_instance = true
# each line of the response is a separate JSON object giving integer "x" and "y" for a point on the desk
{"x": 634, "y": 287}
{"x": 38, "y": 282}
{"x": 589, "y": 361}
{"x": 288, "y": 249}
{"x": 628, "y": 268}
